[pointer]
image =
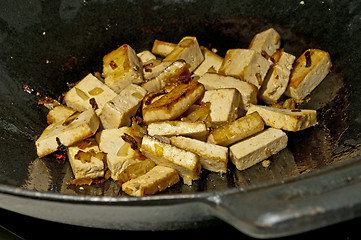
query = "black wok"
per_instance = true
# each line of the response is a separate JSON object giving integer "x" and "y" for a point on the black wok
{"x": 315, "y": 182}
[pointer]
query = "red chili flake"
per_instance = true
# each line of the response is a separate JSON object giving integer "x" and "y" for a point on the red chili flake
{"x": 27, "y": 88}
{"x": 308, "y": 58}
{"x": 45, "y": 99}
{"x": 99, "y": 180}
{"x": 113, "y": 65}
{"x": 277, "y": 77}
{"x": 93, "y": 103}
{"x": 131, "y": 140}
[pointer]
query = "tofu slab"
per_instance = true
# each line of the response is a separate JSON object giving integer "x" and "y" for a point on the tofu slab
{"x": 186, "y": 163}
{"x": 224, "y": 105}
{"x": 122, "y": 67}
{"x": 119, "y": 111}
{"x": 237, "y": 130}
{"x": 78, "y": 98}
{"x": 212, "y": 61}
{"x": 163, "y": 48}
{"x": 59, "y": 113}
{"x": 75, "y": 128}
{"x": 246, "y": 64}
{"x": 305, "y": 78}
{"x": 156, "y": 180}
{"x": 257, "y": 148}
{"x": 286, "y": 119}
{"x": 173, "y": 103}
{"x": 187, "y": 49}
{"x": 267, "y": 41}
{"x": 196, "y": 130}
{"x": 277, "y": 78}
{"x": 212, "y": 157}
{"x": 93, "y": 167}
{"x": 248, "y": 91}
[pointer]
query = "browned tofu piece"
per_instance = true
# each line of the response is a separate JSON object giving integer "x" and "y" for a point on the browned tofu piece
{"x": 162, "y": 48}
{"x": 156, "y": 180}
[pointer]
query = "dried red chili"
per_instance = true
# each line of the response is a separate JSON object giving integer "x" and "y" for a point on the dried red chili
{"x": 93, "y": 103}
{"x": 131, "y": 140}
{"x": 308, "y": 58}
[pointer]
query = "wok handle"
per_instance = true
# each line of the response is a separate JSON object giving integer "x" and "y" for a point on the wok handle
{"x": 301, "y": 204}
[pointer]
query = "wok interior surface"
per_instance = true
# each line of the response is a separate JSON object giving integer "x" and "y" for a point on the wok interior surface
{"x": 47, "y": 44}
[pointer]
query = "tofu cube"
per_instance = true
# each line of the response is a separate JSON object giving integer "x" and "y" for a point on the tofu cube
{"x": 224, "y": 105}
{"x": 156, "y": 180}
{"x": 78, "y": 98}
{"x": 306, "y": 75}
{"x": 59, "y": 113}
{"x": 163, "y": 48}
{"x": 174, "y": 103}
{"x": 196, "y": 130}
{"x": 247, "y": 90}
{"x": 122, "y": 67}
{"x": 86, "y": 160}
{"x": 119, "y": 111}
{"x": 266, "y": 42}
{"x": 286, "y": 119}
{"x": 237, "y": 130}
{"x": 276, "y": 80}
{"x": 246, "y": 64}
{"x": 212, "y": 157}
{"x": 211, "y": 61}
{"x": 257, "y": 148}
{"x": 75, "y": 128}
{"x": 186, "y": 163}
{"x": 188, "y": 50}
{"x": 146, "y": 56}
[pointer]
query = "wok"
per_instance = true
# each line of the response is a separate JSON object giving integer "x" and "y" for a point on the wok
{"x": 314, "y": 182}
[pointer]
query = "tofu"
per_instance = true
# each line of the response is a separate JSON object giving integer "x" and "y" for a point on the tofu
{"x": 212, "y": 157}
{"x": 174, "y": 103}
{"x": 153, "y": 69}
{"x": 286, "y": 119}
{"x": 246, "y": 64}
{"x": 86, "y": 160}
{"x": 78, "y": 98}
{"x": 111, "y": 142}
{"x": 163, "y": 48}
{"x": 186, "y": 163}
{"x": 119, "y": 111}
{"x": 75, "y": 128}
{"x": 224, "y": 105}
{"x": 247, "y": 90}
{"x": 188, "y": 50}
{"x": 146, "y": 56}
{"x": 305, "y": 78}
{"x": 211, "y": 61}
{"x": 122, "y": 67}
{"x": 257, "y": 148}
{"x": 268, "y": 41}
{"x": 237, "y": 130}
{"x": 177, "y": 72}
{"x": 59, "y": 113}
{"x": 156, "y": 180}
{"x": 196, "y": 130}
{"x": 277, "y": 78}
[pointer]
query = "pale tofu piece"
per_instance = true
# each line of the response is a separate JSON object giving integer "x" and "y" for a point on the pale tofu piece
{"x": 257, "y": 148}
{"x": 286, "y": 119}
{"x": 246, "y": 64}
{"x": 174, "y": 73}
{"x": 119, "y": 111}
{"x": 122, "y": 67}
{"x": 156, "y": 180}
{"x": 212, "y": 157}
{"x": 75, "y": 128}
{"x": 174, "y": 103}
{"x": 267, "y": 41}
{"x": 277, "y": 78}
{"x": 247, "y": 90}
{"x": 59, "y": 113}
{"x": 224, "y": 105}
{"x": 305, "y": 78}
{"x": 86, "y": 160}
{"x": 188, "y": 50}
{"x": 237, "y": 130}
{"x": 110, "y": 141}
{"x": 163, "y": 48}
{"x": 78, "y": 98}
{"x": 153, "y": 69}
{"x": 211, "y": 61}
{"x": 135, "y": 170}
{"x": 196, "y": 130}
{"x": 146, "y": 56}
{"x": 186, "y": 163}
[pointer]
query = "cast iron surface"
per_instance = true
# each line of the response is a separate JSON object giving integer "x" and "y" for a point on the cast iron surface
{"x": 47, "y": 44}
